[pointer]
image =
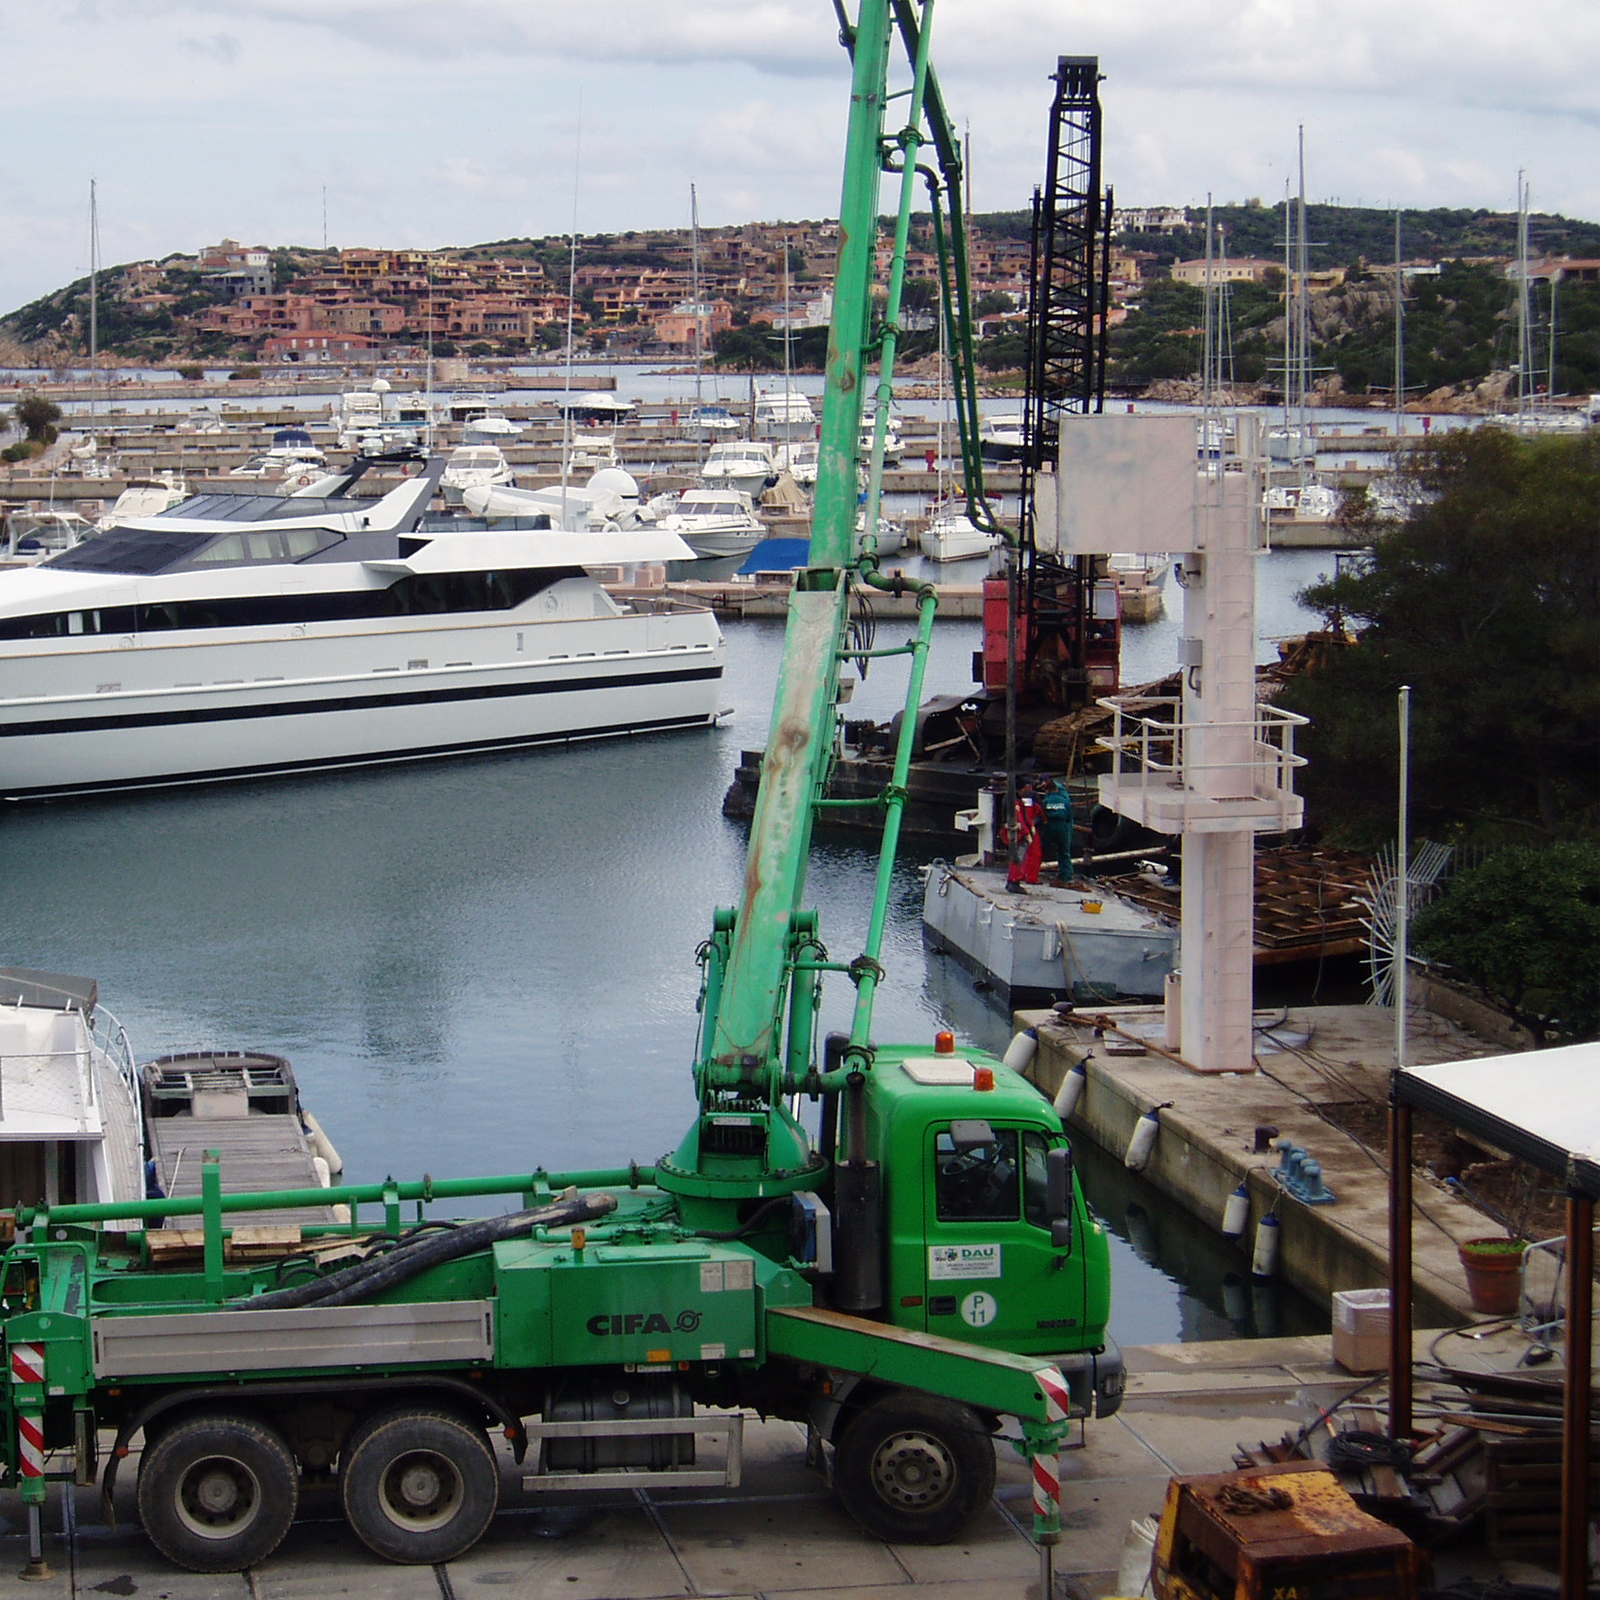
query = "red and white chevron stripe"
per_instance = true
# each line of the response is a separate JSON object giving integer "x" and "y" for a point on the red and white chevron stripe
{"x": 27, "y": 1363}
{"x": 1047, "y": 1463}
{"x": 1057, "y": 1399}
{"x": 30, "y": 1434}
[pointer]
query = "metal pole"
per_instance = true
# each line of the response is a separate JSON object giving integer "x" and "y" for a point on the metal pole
{"x": 1399, "y": 1266}
{"x": 1402, "y": 919}
{"x": 1576, "y": 1420}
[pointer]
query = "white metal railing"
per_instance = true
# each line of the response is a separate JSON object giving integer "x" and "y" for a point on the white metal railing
{"x": 104, "y": 1036}
{"x": 1150, "y": 752}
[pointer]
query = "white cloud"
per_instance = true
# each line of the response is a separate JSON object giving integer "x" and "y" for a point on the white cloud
{"x": 434, "y": 123}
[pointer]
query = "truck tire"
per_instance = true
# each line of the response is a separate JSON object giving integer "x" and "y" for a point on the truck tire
{"x": 217, "y": 1492}
{"x": 914, "y": 1469}
{"x": 418, "y": 1485}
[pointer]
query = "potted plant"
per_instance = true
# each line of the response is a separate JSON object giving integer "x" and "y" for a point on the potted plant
{"x": 1494, "y": 1274}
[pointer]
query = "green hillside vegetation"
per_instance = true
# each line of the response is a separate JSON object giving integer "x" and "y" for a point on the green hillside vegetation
{"x": 1459, "y": 328}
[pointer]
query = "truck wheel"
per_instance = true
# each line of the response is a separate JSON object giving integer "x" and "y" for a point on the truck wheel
{"x": 217, "y": 1492}
{"x": 419, "y": 1486}
{"x": 914, "y": 1469}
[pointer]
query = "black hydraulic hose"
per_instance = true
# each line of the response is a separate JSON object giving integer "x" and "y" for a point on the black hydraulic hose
{"x": 370, "y": 1277}
{"x": 749, "y": 1225}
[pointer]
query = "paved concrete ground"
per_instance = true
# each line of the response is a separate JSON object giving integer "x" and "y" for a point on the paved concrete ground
{"x": 781, "y": 1533}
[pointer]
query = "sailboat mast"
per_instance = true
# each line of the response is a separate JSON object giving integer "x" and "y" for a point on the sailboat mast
{"x": 1302, "y": 313}
{"x": 694, "y": 288}
{"x": 94, "y": 299}
{"x": 1399, "y": 333}
{"x": 1524, "y": 310}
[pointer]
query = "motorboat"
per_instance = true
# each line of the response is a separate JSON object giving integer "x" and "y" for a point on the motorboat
{"x": 746, "y": 464}
{"x": 891, "y": 536}
{"x": 243, "y": 635}
{"x": 609, "y": 501}
{"x": 893, "y": 446}
{"x": 591, "y": 449}
{"x": 474, "y": 466}
{"x": 1301, "y": 502}
{"x": 35, "y": 535}
{"x": 952, "y": 535}
{"x": 799, "y": 460}
{"x": 146, "y": 497}
{"x": 1001, "y": 438}
{"x": 710, "y": 422}
{"x": 70, "y": 1129}
{"x": 783, "y": 413}
{"x": 490, "y": 427}
{"x": 290, "y": 466}
{"x": 715, "y": 522}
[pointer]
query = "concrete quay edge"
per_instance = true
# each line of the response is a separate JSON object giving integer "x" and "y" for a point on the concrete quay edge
{"x": 1205, "y": 1148}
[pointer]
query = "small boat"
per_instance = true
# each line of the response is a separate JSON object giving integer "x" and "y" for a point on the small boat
{"x": 592, "y": 449}
{"x": 893, "y": 446}
{"x": 800, "y": 461}
{"x": 745, "y": 464}
{"x": 474, "y": 466}
{"x": 783, "y": 413}
{"x": 490, "y": 427}
{"x": 1000, "y": 438}
{"x": 891, "y": 536}
{"x": 290, "y": 466}
{"x": 710, "y": 422}
{"x": 247, "y": 636}
{"x": 952, "y": 535}
{"x": 37, "y": 535}
{"x": 1308, "y": 502}
{"x": 70, "y": 1130}
{"x": 608, "y": 502}
{"x": 146, "y": 497}
{"x": 715, "y": 522}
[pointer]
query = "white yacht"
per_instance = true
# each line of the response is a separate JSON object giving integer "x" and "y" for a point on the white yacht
{"x": 1301, "y": 502}
{"x": 241, "y": 636}
{"x": 35, "y": 535}
{"x": 745, "y": 464}
{"x": 715, "y": 522}
{"x": 710, "y": 422}
{"x": 893, "y": 445}
{"x": 474, "y": 466}
{"x": 290, "y": 466}
{"x": 799, "y": 460}
{"x": 952, "y": 535}
{"x": 70, "y": 1130}
{"x": 1000, "y": 438}
{"x": 146, "y": 497}
{"x": 784, "y": 413}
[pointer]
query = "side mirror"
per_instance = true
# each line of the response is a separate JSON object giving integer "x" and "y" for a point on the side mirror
{"x": 1058, "y": 1195}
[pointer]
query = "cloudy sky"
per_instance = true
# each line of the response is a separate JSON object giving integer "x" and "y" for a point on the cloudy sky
{"x": 431, "y": 122}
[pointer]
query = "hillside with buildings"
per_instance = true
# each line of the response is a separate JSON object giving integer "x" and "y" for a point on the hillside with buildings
{"x": 625, "y": 296}
{"x": 748, "y": 291}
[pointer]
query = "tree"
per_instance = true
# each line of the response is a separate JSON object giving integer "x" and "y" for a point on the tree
{"x": 1524, "y": 928}
{"x": 1486, "y": 600}
{"x": 37, "y": 417}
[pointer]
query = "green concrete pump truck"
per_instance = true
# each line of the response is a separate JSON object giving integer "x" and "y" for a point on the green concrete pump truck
{"x": 919, "y": 1270}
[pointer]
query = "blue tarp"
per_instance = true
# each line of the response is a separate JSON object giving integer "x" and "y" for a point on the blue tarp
{"x": 777, "y": 555}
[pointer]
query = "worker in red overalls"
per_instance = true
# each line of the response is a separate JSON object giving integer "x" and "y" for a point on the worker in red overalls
{"x": 1028, "y": 855}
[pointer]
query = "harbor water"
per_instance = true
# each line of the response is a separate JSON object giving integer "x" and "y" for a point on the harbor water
{"x": 488, "y": 965}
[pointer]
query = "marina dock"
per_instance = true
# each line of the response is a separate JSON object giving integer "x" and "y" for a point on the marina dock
{"x": 1322, "y": 1085}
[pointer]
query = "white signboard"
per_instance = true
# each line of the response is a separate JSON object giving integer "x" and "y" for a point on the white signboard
{"x": 1127, "y": 484}
{"x": 950, "y": 1261}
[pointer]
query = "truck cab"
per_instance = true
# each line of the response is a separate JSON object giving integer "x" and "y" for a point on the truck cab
{"x": 982, "y": 1243}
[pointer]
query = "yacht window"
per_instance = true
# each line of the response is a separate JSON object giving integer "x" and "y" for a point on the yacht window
{"x": 264, "y": 546}
{"x": 302, "y": 542}
{"x": 230, "y": 547}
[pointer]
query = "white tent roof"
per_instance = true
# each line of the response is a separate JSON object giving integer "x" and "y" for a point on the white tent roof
{"x": 1540, "y": 1105}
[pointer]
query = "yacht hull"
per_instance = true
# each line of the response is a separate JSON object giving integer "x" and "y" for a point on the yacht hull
{"x": 182, "y": 708}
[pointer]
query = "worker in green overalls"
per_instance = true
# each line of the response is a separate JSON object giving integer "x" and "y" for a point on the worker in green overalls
{"x": 1058, "y": 826}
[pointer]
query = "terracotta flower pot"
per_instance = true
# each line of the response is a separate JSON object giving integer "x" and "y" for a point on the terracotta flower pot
{"x": 1494, "y": 1274}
